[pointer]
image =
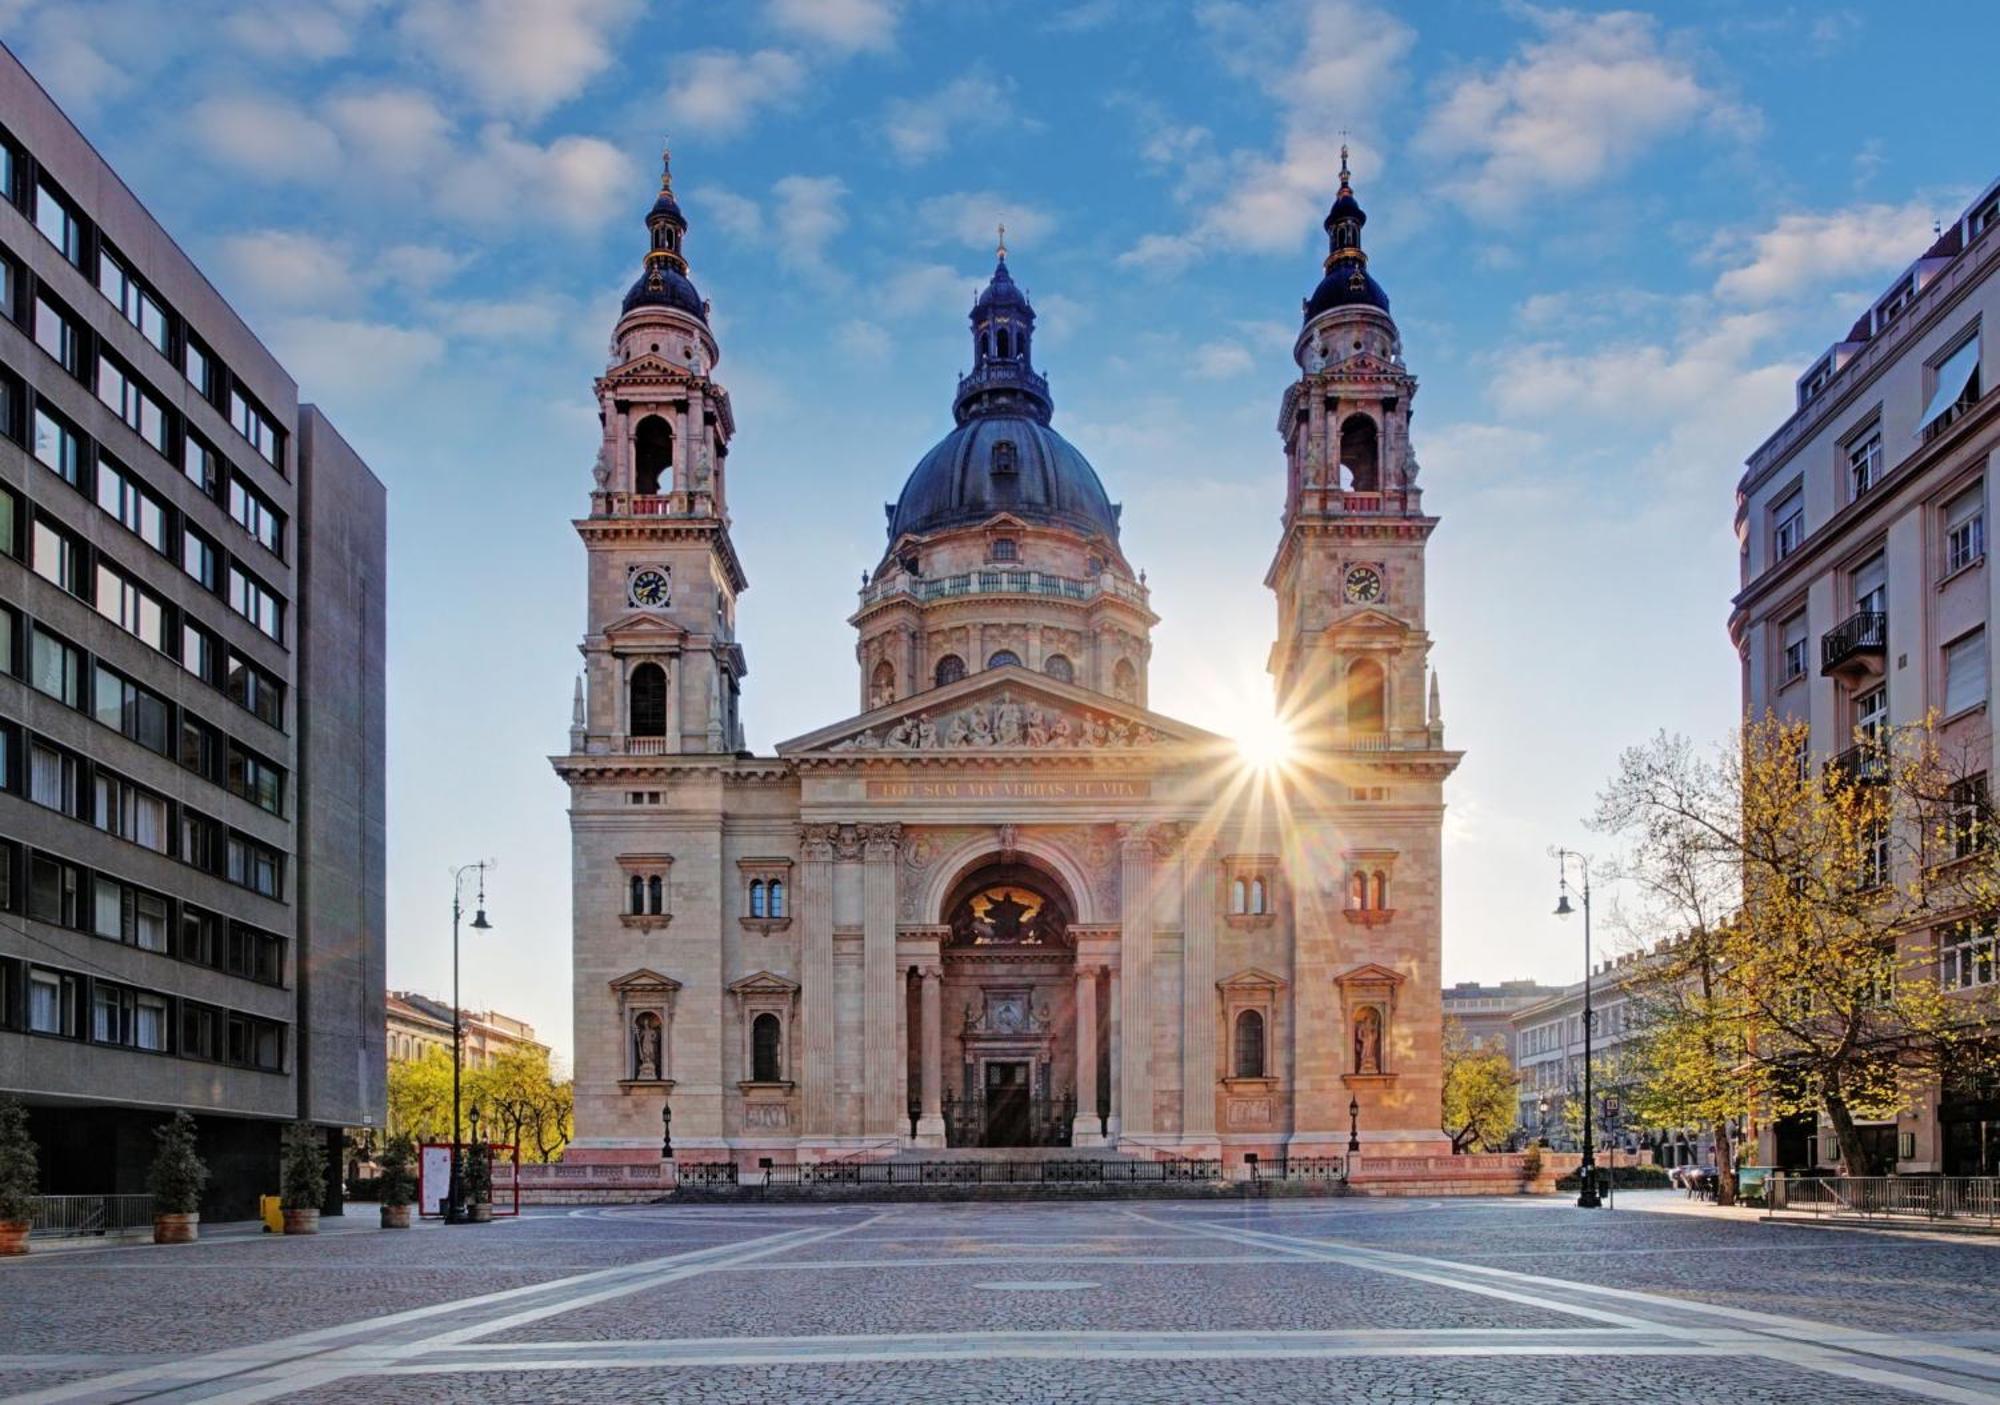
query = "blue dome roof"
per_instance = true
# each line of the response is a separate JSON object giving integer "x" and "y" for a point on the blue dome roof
{"x": 662, "y": 285}
{"x": 1341, "y": 289}
{"x": 964, "y": 480}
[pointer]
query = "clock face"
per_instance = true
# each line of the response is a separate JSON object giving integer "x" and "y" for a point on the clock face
{"x": 649, "y": 587}
{"x": 1364, "y": 586}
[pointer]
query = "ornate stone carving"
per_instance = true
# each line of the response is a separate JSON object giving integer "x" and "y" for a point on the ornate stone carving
{"x": 817, "y": 841}
{"x": 646, "y": 1047}
{"x": 1248, "y": 1112}
{"x": 880, "y": 841}
{"x": 846, "y": 841}
{"x": 1007, "y": 723}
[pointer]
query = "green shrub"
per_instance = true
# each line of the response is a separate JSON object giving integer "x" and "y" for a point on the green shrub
{"x": 303, "y": 1183}
{"x": 397, "y": 1185}
{"x": 478, "y": 1173}
{"x": 177, "y": 1175}
{"x": 19, "y": 1181}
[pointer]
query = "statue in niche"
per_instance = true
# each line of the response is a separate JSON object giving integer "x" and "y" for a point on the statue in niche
{"x": 646, "y": 1048}
{"x": 1004, "y": 914}
{"x": 601, "y": 470}
{"x": 1368, "y": 1041}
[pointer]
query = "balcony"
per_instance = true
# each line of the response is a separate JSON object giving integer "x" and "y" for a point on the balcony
{"x": 1866, "y": 764}
{"x": 1855, "y": 648}
{"x": 1003, "y": 582}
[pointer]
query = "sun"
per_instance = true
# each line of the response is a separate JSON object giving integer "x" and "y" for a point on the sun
{"x": 1265, "y": 742}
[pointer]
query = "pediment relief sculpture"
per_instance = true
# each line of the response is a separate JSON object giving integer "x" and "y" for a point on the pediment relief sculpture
{"x": 1006, "y": 723}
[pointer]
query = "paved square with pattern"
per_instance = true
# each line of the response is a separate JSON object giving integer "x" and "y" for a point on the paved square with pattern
{"x": 1271, "y": 1301}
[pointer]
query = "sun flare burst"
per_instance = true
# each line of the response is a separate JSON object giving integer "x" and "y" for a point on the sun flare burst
{"x": 1264, "y": 742}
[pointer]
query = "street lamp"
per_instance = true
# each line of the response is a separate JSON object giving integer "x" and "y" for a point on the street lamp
{"x": 1587, "y": 1198}
{"x": 1544, "y": 1106}
{"x": 1353, "y": 1124}
{"x": 666, "y": 1130}
{"x": 454, "y": 1210}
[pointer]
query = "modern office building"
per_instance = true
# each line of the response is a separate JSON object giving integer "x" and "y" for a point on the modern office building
{"x": 192, "y": 578}
{"x": 1866, "y": 601}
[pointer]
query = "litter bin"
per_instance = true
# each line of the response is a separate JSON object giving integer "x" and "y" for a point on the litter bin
{"x": 271, "y": 1211}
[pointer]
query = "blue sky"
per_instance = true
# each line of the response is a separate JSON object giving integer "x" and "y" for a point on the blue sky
{"x": 1612, "y": 239}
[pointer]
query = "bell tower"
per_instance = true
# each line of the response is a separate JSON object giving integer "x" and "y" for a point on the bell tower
{"x": 662, "y": 667}
{"x": 1350, "y": 662}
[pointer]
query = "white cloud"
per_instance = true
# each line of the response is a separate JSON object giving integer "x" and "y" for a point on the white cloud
{"x": 1222, "y": 359}
{"x": 1471, "y": 453}
{"x": 1805, "y": 251}
{"x": 577, "y": 182}
{"x": 737, "y": 216}
{"x": 1573, "y": 106}
{"x": 1324, "y": 65}
{"x": 537, "y": 315}
{"x": 267, "y": 136}
{"x": 863, "y": 340}
{"x": 918, "y": 129}
{"x": 346, "y": 356}
{"x": 419, "y": 267}
{"x": 973, "y": 217}
{"x": 844, "y": 25}
{"x": 521, "y": 57}
{"x": 925, "y": 290}
{"x": 1631, "y": 382}
{"x": 805, "y": 216}
{"x": 299, "y": 30}
{"x": 290, "y": 268}
{"x": 720, "y": 91}
{"x": 1057, "y": 316}
{"x": 396, "y": 131}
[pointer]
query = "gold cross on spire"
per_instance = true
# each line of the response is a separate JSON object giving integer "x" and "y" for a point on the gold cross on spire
{"x": 1002, "y": 251}
{"x": 666, "y": 166}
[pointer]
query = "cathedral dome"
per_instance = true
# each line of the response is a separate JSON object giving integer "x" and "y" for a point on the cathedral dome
{"x": 662, "y": 285}
{"x": 663, "y": 282}
{"x": 1348, "y": 282}
{"x": 1003, "y": 463}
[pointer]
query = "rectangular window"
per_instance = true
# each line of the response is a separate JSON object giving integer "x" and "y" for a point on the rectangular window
{"x": 124, "y": 395}
{"x": 254, "y": 425}
{"x": 256, "y": 779}
{"x": 1965, "y": 528}
{"x": 1965, "y": 672}
{"x": 149, "y": 1029}
{"x": 125, "y": 707}
{"x": 201, "y": 464}
{"x": 138, "y": 306}
{"x": 125, "y": 810}
{"x": 55, "y": 892}
{"x": 1956, "y": 386}
{"x": 126, "y": 914}
{"x": 119, "y": 493}
{"x": 56, "y": 334}
{"x": 1814, "y": 381}
{"x": 198, "y": 939}
{"x": 55, "y": 668}
{"x": 10, "y": 522}
{"x": 200, "y": 840}
{"x": 255, "y": 691}
{"x": 1971, "y": 817}
{"x": 1889, "y": 307}
{"x": 256, "y": 516}
{"x": 199, "y": 746}
{"x": 58, "y": 223}
{"x": 198, "y": 557}
{"x": 1864, "y": 459}
{"x": 249, "y": 597}
{"x": 52, "y": 1001}
{"x": 200, "y": 372}
{"x": 1792, "y": 634}
{"x": 1788, "y": 525}
{"x": 1870, "y": 582}
{"x": 58, "y": 446}
{"x": 131, "y": 607}
{"x": 252, "y": 865}
{"x": 1871, "y": 716}
{"x": 52, "y": 779}
{"x": 57, "y": 557}
{"x": 111, "y": 1013}
{"x": 199, "y": 651}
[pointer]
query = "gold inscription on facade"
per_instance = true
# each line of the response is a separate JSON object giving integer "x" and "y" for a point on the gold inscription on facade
{"x": 1010, "y": 790}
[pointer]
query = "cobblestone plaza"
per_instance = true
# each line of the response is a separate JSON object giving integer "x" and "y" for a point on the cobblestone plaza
{"x": 1135, "y": 1301}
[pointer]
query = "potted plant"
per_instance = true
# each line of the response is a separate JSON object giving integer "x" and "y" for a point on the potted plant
{"x": 19, "y": 1181}
{"x": 303, "y": 1179}
{"x": 176, "y": 1180}
{"x": 479, "y": 1181}
{"x": 398, "y": 1181}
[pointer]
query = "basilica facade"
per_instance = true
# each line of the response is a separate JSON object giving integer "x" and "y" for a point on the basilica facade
{"x": 1008, "y": 902}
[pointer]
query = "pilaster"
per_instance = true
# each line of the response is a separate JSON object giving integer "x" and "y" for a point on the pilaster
{"x": 816, "y": 1011}
{"x": 883, "y": 1104}
{"x": 1199, "y": 902}
{"x": 1138, "y": 855}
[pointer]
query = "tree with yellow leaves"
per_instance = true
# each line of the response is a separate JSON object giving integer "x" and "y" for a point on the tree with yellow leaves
{"x": 1479, "y": 1091}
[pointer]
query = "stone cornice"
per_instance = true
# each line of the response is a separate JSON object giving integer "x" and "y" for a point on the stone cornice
{"x": 712, "y": 532}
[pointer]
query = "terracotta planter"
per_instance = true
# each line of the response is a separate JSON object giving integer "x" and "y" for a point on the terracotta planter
{"x": 13, "y": 1236}
{"x": 301, "y": 1221}
{"x": 176, "y": 1229}
{"x": 482, "y": 1212}
{"x": 395, "y": 1217}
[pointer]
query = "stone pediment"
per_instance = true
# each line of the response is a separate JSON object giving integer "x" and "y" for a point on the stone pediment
{"x": 1369, "y": 620}
{"x": 644, "y": 981}
{"x": 649, "y": 365}
{"x": 1370, "y": 976}
{"x": 764, "y": 983}
{"x": 1363, "y": 365}
{"x": 1251, "y": 978}
{"x": 1007, "y": 711}
{"x": 643, "y": 627}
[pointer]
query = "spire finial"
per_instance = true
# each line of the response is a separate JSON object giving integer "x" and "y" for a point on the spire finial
{"x": 1001, "y": 252}
{"x": 1346, "y": 181}
{"x": 666, "y": 167}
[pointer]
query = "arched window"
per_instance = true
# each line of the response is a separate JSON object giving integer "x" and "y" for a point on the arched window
{"x": 1378, "y": 892}
{"x": 638, "y": 896}
{"x": 1239, "y": 897}
{"x": 1364, "y": 697}
{"x": 1257, "y": 897}
{"x": 1125, "y": 681}
{"x": 950, "y": 669}
{"x": 1249, "y": 1045}
{"x": 1005, "y": 349}
{"x": 652, "y": 454}
{"x": 1058, "y": 667}
{"x": 1358, "y": 454}
{"x": 765, "y": 1033}
{"x": 757, "y": 897}
{"x": 1004, "y": 658}
{"x": 776, "y": 888}
{"x": 655, "y": 892}
{"x": 1004, "y": 458}
{"x": 647, "y": 703}
{"x": 882, "y": 685}
{"x": 1006, "y": 549}
{"x": 1357, "y": 891}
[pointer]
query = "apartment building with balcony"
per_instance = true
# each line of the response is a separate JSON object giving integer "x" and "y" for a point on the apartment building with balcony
{"x": 191, "y": 707}
{"x": 1866, "y": 597}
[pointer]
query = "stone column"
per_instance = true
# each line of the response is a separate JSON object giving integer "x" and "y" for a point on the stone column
{"x": 816, "y": 1009}
{"x": 1087, "y": 1130}
{"x": 930, "y": 1118}
{"x": 1114, "y": 1016}
{"x": 1137, "y": 854}
{"x": 1199, "y": 901}
{"x": 674, "y": 667}
{"x": 883, "y": 1107}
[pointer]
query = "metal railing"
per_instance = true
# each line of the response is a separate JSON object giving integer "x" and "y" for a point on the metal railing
{"x": 1968, "y": 1198}
{"x": 1863, "y": 632}
{"x": 75, "y": 1216}
{"x": 990, "y": 581}
{"x": 1865, "y": 764}
{"x": 920, "y": 1173}
{"x": 1300, "y": 1168}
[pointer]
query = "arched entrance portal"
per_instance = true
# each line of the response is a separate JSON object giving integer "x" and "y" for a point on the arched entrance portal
{"x": 1009, "y": 1007}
